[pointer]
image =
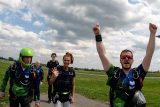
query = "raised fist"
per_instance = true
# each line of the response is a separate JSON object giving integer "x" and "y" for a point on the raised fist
{"x": 96, "y": 29}
{"x": 152, "y": 28}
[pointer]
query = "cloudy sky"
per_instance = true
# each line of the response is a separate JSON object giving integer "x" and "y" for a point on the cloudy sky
{"x": 58, "y": 26}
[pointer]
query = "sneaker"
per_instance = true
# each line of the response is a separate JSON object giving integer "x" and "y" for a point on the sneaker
{"x": 49, "y": 101}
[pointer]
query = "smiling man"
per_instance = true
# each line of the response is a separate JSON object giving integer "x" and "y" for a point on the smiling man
{"x": 126, "y": 82}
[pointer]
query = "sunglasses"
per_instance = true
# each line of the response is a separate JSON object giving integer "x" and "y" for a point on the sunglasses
{"x": 126, "y": 56}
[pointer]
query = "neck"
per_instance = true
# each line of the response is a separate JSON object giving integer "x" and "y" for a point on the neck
{"x": 65, "y": 68}
{"x": 23, "y": 67}
{"x": 53, "y": 60}
{"x": 126, "y": 71}
{"x": 37, "y": 66}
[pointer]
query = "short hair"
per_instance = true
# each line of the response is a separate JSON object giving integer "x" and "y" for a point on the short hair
{"x": 53, "y": 54}
{"x": 126, "y": 50}
{"x": 38, "y": 61}
{"x": 69, "y": 55}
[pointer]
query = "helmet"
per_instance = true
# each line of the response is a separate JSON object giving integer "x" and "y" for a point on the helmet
{"x": 25, "y": 52}
{"x": 138, "y": 99}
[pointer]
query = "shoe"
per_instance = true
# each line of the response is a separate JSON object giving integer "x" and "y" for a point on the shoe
{"x": 49, "y": 101}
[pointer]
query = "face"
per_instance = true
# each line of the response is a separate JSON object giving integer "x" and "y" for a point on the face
{"x": 53, "y": 57}
{"x": 126, "y": 60}
{"x": 27, "y": 59}
{"x": 37, "y": 63}
{"x": 66, "y": 61}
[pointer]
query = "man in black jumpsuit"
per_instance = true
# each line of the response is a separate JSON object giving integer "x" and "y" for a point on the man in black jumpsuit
{"x": 51, "y": 65}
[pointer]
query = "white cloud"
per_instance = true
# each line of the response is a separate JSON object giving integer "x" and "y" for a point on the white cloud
{"x": 7, "y": 3}
{"x": 38, "y": 23}
{"x": 68, "y": 28}
{"x": 71, "y": 33}
{"x": 27, "y": 17}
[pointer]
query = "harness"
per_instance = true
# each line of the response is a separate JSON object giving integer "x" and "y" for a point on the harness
{"x": 20, "y": 80}
{"x": 63, "y": 85}
{"x": 125, "y": 93}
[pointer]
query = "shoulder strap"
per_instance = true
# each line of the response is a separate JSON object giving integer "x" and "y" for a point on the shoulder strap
{"x": 13, "y": 69}
{"x": 115, "y": 77}
{"x": 137, "y": 79}
{"x": 113, "y": 82}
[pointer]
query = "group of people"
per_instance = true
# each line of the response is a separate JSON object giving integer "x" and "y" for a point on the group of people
{"x": 61, "y": 81}
{"x": 125, "y": 82}
{"x": 25, "y": 78}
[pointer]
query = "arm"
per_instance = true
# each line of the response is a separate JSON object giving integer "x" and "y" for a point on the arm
{"x": 101, "y": 49}
{"x": 47, "y": 74}
{"x": 42, "y": 75}
{"x": 73, "y": 91}
{"x": 150, "y": 47}
{"x": 57, "y": 63}
{"x": 47, "y": 71}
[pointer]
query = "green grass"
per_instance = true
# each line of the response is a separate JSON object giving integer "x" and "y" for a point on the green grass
{"x": 94, "y": 86}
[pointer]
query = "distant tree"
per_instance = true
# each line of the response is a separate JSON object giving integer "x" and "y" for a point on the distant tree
{"x": 11, "y": 59}
{"x": 3, "y": 58}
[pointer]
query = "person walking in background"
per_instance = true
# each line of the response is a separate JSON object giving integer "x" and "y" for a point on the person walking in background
{"x": 126, "y": 82}
{"x": 38, "y": 78}
{"x": 63, "y": 80}
{"x": 51, "y": 65}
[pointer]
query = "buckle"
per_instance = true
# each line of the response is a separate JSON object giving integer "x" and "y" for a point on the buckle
{"x": 135, "y": 74}
{"x": 117, "y": 74}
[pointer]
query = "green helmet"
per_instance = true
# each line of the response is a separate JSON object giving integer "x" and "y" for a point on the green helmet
{"x": 25, "y": 52}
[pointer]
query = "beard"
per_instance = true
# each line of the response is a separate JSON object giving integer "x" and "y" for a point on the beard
{"x": 126, "y": 66}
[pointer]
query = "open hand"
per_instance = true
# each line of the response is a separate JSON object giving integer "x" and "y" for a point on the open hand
{"x": 55, "y": 73}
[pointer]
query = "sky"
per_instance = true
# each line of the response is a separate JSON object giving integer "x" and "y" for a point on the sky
{"x": 63, "y": 26}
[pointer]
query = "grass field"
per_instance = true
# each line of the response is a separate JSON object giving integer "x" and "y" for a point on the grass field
{"x": 92, "y": 84}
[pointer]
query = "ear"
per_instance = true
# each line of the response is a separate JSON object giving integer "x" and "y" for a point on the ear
{"x": 132, "y": 61}
{"x": 120, "y": 60}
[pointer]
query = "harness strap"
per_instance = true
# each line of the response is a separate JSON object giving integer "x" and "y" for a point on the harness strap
{"x": 63, "y": 97}
{"x": 128, "y": 92}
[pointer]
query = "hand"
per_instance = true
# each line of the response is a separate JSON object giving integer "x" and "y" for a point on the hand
{"x": 2, "y": 95}
{"x": 37, "y": 103}
{"x": 96, "y": 29}
{"x": 72, "y": 99}
{"x": 152, "y": 28}
{"x": 55, "y": 73}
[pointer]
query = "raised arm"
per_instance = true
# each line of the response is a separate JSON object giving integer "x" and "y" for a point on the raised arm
{"x": 100, "y": 47}
{"x": 150, "y": 47}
